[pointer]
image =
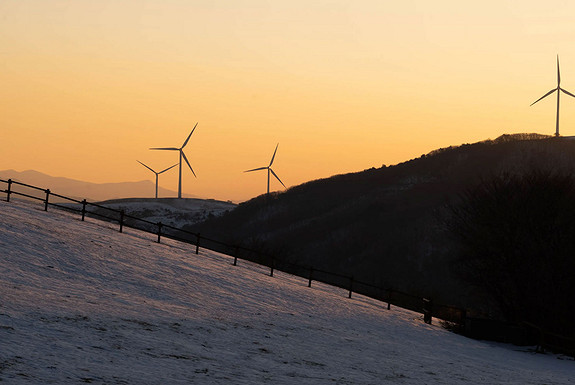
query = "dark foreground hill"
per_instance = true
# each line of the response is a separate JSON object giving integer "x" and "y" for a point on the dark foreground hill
{"x": 386, "y": 226}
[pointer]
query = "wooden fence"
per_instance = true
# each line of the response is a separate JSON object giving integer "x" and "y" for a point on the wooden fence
{"x": 457, "y": 317}
{"x": 238, "y": 252}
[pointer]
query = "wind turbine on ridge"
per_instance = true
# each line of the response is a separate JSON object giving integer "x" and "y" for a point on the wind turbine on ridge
{"x": 269, "y": 168}
{"x": 558, "y": 94}
{"x": 182, "y": 155}
{"x": 157, "y": 173}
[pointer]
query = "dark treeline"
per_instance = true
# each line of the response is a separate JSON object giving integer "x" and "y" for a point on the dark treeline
{"x": 515, "y": 241}
{"x": 387, "y": 226}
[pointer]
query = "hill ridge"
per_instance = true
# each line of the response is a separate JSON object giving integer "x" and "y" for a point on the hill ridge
{"x": 383, "y": 225}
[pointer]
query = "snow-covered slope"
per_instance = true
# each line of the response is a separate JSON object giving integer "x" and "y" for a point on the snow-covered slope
{"x": 82, "y": 303}
{"x": 170, "y": 211}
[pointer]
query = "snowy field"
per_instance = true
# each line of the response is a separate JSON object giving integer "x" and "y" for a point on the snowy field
{"x": 82, "y": 303}
{"x": 170, "y": 211}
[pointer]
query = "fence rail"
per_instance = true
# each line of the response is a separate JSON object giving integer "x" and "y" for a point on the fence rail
{"x": 389, "y": 296}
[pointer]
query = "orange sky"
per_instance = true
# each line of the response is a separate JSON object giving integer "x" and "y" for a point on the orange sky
{"x": 88, "y": 86}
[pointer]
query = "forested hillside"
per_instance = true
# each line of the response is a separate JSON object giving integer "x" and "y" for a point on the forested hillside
{"x": 387, "y": 225}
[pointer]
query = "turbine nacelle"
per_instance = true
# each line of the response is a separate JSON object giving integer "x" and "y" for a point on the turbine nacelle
{"x": 156, "y": 172}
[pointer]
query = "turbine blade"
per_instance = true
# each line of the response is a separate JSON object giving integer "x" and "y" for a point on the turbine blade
{"x": 567, "y": 92}
{"x": 278, "y": 178}
{"x": 274, "y": 155}
{"x": 166, "y": 148}
{"x": 188, "y": 163}
{"x": 168, "y": 168}
{"x": 149, "y": 168}
{"x": 193, "y": 129}
{"x": 547, "y": 94}
{"x": 558, "y": 73}
{"x": 257, "y": 169}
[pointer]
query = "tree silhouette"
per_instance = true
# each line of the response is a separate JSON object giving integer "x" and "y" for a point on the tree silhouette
{"x": 515, "y": 237}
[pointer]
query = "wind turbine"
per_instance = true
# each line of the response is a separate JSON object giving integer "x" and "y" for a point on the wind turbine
{"x": 558, "y": 94}
{"x": 269, "y": 168}
{"x": 157, "y": 173}
{"x": 182, "y": 155}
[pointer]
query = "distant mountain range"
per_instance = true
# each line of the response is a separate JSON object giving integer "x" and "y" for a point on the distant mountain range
{"x": 386, "y": 225}
{"x": 91, "y": 191}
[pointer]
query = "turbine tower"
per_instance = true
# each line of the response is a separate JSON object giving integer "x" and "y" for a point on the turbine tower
{"x": 182, "y": 155}
{"x": 558, "y": 94}
{"x": 269, "y": 168}
{"x": 157, "y": 173}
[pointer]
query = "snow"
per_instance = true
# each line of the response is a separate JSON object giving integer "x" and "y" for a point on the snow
{"x": 82, "y": 303}
{"x": 170, "y": 211}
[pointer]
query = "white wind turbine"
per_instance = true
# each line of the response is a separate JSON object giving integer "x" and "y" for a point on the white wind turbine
{"x": 182, "y": 155}
{"x": 269, "y": 168}
{"x": 558, "y": 94}
{"x": 157, "y": 173}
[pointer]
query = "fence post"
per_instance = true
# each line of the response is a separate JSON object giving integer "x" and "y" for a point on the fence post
{"x": 121, "y": 220}
{"x": 46, "y": 201}
{"x": 83, "y": 209}
{"x": 197, "y": 243}
{"x": 310, "y": 276}
{"x": 272, "y": 268}
{"x": 427, "y": 310}
{"x": 159, "y": 231}
{"x": 463, "y": 320}
{"x": 9, "y": 191}
{"x": 380, "y": 297}
{"x": 350, "y": 286}
{"x": 236, "y": 255}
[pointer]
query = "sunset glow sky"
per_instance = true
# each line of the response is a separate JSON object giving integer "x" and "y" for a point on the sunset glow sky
{"x": 86, "y": 87}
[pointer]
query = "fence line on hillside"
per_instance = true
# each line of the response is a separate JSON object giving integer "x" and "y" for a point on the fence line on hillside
{"x": 238, "y": 252}
{"x": 454, "y": 315}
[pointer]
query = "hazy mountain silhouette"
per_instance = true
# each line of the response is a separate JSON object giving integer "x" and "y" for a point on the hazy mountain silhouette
{"x": 385, "y": 225}
{"x": 91, "y": 191}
